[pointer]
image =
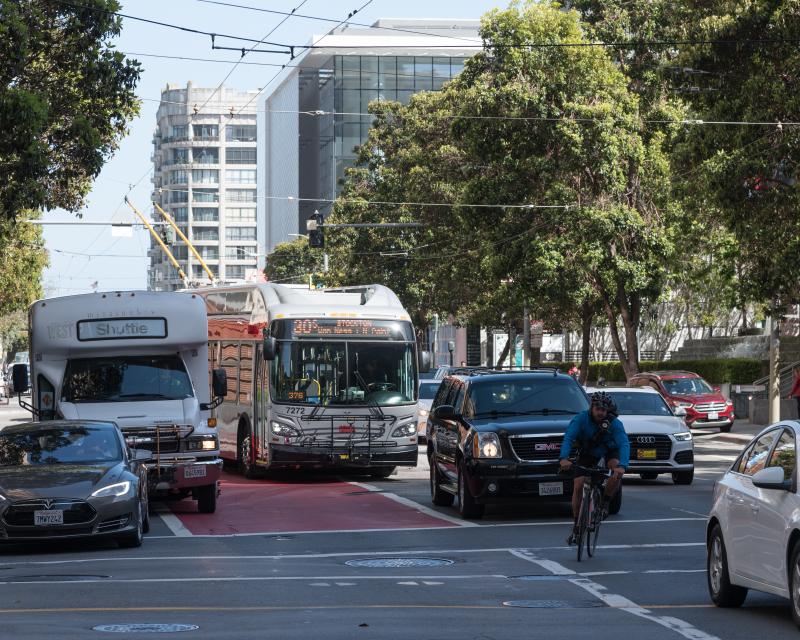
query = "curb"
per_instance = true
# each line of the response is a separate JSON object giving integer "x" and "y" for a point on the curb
{"x": 734, "y": 438}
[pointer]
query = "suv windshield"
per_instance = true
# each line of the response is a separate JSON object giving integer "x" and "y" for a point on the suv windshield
{"x": 640, "y": 404}
{"x": 519, "y": 397}
{"x": 687, "y": 386}
{"x": 126, "y": 379}
{"x": 82, "y": 445}
{"x": 427, "y": 390}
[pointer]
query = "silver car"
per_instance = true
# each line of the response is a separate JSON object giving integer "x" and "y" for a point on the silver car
{"x": 70, "y": 479}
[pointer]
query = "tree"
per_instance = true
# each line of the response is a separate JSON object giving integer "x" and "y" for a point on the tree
{"x": 23, "y": 258}
{"x": 293, "y": 262}
{"x": 66, "y": 96}
{"x": 13, "y": 333}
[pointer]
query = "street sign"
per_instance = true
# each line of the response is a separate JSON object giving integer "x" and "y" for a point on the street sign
{"x": 537, "y": 334}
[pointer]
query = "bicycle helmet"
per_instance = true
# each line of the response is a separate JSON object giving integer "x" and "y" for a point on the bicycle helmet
{"x": 603, "y": 400}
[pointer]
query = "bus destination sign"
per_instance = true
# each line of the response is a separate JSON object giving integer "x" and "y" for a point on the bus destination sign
{"x": 122, "y": 329}
{"x": 345, "y": 328}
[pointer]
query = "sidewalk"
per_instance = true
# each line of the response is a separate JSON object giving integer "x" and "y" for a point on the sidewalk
{"x": 743, "y": 431}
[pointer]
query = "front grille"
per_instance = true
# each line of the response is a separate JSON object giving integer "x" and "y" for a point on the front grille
{"x": 705, "y": 407}
{"x": 536, "y": 449}
{"x": 341, "y": 433}
{"x": 114, "y": 523}
{"x": 159, "y": 440}
{"x": 684, "y": 457}
{"x": 649, "y": 441}
{"x": 20, "y": 514}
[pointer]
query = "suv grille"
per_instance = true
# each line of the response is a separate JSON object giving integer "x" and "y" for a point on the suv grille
{"x": 661, "y": 443}
{"x": 684, "y": 457}
{"x": 536, "y": 448}
{"x": 20, "y": 514}
{"x": 705, "y": 407}
{"x": 163, "y": 439}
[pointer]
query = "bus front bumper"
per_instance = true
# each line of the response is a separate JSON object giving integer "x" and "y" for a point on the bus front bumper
{"x": 290, "y": 457}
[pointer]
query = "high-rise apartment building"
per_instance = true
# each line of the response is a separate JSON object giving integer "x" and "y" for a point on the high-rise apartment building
{"x": 204, "y": 155}
{"x": 311, "y": 123}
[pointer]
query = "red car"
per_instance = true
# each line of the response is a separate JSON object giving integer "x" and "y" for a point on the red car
{"x": 705, "y": 406}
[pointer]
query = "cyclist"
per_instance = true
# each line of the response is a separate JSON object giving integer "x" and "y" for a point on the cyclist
{"x": 596, "y": 433}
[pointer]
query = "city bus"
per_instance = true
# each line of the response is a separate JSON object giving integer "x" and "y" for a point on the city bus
{"x": 319, "y": 378}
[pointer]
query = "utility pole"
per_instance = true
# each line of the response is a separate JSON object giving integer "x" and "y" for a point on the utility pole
{"x": 774, "y": 369}
{"x": 183, "y": 237}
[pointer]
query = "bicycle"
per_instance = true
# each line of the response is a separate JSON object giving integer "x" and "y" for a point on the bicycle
{"x": 590, "y": 515}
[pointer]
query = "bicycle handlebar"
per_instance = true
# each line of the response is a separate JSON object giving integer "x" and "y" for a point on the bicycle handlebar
{"x": 592, "y": 472}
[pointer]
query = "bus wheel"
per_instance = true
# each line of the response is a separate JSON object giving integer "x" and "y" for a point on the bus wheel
{"x": 246, "y": 465}
{"x": 381, "y": 472}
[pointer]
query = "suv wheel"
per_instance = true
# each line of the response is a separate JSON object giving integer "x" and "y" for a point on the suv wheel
{"x": 467, "y": 506}
{"x": 726, "y": 428}
{"x": 683, "y": 477}
{"x": 439, "y": 497}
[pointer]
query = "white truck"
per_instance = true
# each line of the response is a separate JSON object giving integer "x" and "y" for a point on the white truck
{"x": 139, "y": 359}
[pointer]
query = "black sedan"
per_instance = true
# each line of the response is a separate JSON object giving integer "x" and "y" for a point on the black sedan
{"x": 70, "y": 479}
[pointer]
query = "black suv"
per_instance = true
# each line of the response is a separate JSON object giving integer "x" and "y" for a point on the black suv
{"x": 495, "y": 436}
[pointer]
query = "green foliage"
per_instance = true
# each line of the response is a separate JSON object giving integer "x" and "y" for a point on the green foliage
{"x": 24, "y": 257}
{"x": 715, "y": 371}
{"x": 13, "y": 333}
{"x": 293, "y": 262}
{"x": 66, "y": 96}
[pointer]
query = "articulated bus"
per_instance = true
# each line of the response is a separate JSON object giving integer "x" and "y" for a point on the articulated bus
{"x": 316, "y": 378}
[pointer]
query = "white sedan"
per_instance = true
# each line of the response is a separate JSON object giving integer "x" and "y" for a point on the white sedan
{"x": 753, "y": 533}
{"x": 427, "y": 390}
{"x": 659, "y": 438}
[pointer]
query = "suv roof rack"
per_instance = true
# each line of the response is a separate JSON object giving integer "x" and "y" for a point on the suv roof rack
{"x": 483, "y": 372}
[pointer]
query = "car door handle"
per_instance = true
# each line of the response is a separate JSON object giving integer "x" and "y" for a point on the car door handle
{"x": 754, "y": 507}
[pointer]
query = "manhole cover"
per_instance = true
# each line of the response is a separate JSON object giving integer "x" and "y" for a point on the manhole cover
{"x": 398, "y": 563}
{"x": 145, "y": 628}
{"x": 554, "y": 604}
{"x": 542, "y": 578}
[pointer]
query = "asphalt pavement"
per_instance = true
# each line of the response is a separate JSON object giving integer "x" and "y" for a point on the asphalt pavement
{"x": 323, "y": 556}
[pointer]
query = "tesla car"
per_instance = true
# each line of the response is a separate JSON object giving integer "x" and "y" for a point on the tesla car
{"x": 71, "y": 479}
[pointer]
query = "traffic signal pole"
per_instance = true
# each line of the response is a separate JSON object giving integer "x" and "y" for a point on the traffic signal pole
{"x": 161, "y": 243}
{"x": 183, "y": 237}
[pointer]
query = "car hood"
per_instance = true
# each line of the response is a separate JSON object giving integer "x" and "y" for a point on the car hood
{"x": 129, "y": 414}
{"x": 653, "y": 424}
{"x": 698, "y": 398}
{"x": 424, "y": 404}
{"x": 519, "y": 425}
{"x": 56, "y": 480}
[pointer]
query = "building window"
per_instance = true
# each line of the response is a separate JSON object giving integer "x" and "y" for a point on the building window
{"x": 206, "y": 131}
{"x": 180, "y": 131}
{"x": 234, "y": 252}
{"x": 180, "y": 214}
{"x": 205, "y": 195}
{"x": 240, "y": 233}
{"x": 180, "y": 156}
{"x": 240, "y": 195}
{"x": 208, "y": 253}
{"x": 199, "y": 272}
{"x": 205, "y": 176}
{"x": 236, "y": 271}
{"x": 180, "y": 252}
{"x": 240, "y": 133}
{"x": 241, "y": 176}
{"x": 205, "y": 214}
{"x": 205, "y": 233}
{"x": 179, "y": 177}
{"x": 240, "y": 156}
{"x": 236, "y": 214}
{"x": 179, "y": 195}
{"x": 206, "y": 155}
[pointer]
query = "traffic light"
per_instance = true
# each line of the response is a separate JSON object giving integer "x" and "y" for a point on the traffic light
{"x": 316, "y": 231}
{"x": 167, "y": 235}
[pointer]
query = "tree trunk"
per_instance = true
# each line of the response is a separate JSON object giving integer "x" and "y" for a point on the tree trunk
{"x": 503, "y": 354}
{"x": 629, "y": 314}
{"x": 587, "y": 315}
{"x": 615, "y": 339}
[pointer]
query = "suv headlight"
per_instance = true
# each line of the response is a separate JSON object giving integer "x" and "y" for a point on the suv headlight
{"x": 202, "y": 443}
{"x": 405, "y": 430}
{"x": 280, "y": 429}
{"x": 115, "y": 490}
{"x": 486, "y": 445}
{"x": 681, "y": 403}
{"x": 683, "y": 436}
{"x": 423, "y": 413}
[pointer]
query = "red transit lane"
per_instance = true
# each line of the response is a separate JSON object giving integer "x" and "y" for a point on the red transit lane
{"x": 311, "y": 504}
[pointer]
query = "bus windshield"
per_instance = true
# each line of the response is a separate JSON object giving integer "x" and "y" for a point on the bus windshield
{"x": 126, "y": 379}
{"x": 329, "y": 373}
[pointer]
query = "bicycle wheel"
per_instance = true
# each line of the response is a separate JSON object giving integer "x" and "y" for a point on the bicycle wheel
{"x": 583, "y": 522}
{"x": 595, "y": 521}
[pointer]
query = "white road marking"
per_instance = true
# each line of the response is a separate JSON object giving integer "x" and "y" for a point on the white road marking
{"x": 172, "y": 521}
{"x": 320, "y": 584}
{"x": 616, "y": 601}
{"x": 409, "y": 584}
{"x": 345, "y": 584}
{"x": 675, "y": 571}
{"x": 694, "y": 513}
{"x": 432, "y": 584}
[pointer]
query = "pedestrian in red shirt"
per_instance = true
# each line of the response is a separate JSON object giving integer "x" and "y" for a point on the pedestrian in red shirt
{"x": 795, "y": 392}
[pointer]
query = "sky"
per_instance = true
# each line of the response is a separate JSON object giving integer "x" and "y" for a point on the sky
{"x": 82, "y": 256}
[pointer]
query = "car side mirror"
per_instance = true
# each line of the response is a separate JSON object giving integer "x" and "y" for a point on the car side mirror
{"x": 445, "y": 412}
{"x": 219, "y": 383}
{"x": 270, "y": 348}
{"x": 425, "y": 361}
{"x": 771, "y": 478}
{"x": 679, "y": 411}
{"x": 142, "y": 455}
{"x": 19, "y": 377}
{"x": 717, "y": 389}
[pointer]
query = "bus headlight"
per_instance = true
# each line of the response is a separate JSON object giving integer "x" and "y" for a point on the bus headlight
{"x": 284, "y": 430}
{"x": 486, "y": 445}
{"x": 405, "y": 431}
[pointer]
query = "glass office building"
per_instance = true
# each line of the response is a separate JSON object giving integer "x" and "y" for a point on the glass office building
{"x": 316, "y": 118}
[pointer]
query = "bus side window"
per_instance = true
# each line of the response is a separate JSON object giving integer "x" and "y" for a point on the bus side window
{"x": 46, "y": 398}
{"x": 246, "y": 373}
{"x": 230, "y": 362}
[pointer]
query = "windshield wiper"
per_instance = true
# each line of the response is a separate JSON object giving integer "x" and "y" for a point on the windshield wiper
{"x": 146, "y": 395}
{"x": 494, "y": 414}
{"x": 546, "y": 411}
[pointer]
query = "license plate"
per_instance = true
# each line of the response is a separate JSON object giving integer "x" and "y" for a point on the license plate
{"x": 551, "y": 488}
{"x": 713, "y": 415}
{"x": 344, "y": 456}
{"x": 48, "y": 517}
{"x": 646, "y": 454}
{"x": 194, "y": 472}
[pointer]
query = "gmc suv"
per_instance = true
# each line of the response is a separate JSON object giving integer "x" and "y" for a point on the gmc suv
{"x": 495, "y": 437}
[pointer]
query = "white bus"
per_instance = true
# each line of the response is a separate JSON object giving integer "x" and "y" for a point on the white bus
{"x": 316, "y": 378}
{"x": 139, "y": 359}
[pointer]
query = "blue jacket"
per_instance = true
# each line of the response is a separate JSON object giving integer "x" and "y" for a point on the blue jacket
{"x": 582, "y": 429}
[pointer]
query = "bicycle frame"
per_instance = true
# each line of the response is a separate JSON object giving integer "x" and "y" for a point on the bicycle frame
{"x": 589, "y": 514}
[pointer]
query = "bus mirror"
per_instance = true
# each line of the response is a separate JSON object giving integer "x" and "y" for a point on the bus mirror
{"x": 424, "y": 361}
{"x": 19, "y": 377}
{"x": 270, "y": 348}
{"x": 219, "y": 383}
